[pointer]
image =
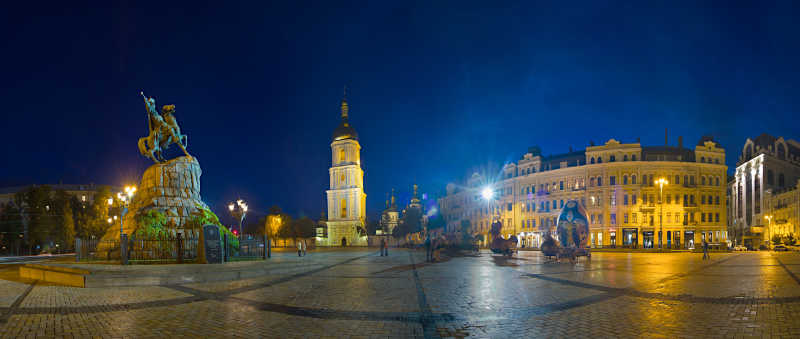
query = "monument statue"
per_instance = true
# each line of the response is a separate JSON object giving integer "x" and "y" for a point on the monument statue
{"x": 164, "y": 131}
{"x": 169, "y": 187}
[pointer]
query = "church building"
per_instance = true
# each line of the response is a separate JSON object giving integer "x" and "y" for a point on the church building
{"x": 346, "y": 197}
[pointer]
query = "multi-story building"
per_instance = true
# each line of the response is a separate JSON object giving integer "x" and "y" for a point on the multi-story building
{"x": 765, "y": 164}
{"x": 84, "y": 193}
{"x": 616, "y": 183}
{"x": 782, "y": 209}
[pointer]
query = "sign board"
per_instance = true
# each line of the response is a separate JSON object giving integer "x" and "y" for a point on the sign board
{"x": 211, "y": 251}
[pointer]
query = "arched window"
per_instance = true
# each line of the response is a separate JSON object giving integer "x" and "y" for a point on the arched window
{"x": 341, "y": 154}
{"x": 591, "y": 182}
{"x": 344, "y": 208}
{"x": 677, "y": 180}
{"x": 599, "y": 181}
{"x": 633, "y": 179}
{"x": 770, "y": 177}
{"x": 716, "y": 181}
{"x": 703, "y": 180}
{"x": 781, "y": 180}
{"x": 702, "y": 159}
{"x": 341, "y": 179}
{"x": 592, "y": 160}
{"x": 633, "y": 157}
{"x": 781, "y": 151}
{"x": 625, "y": 157}
{"x": 599, "y": 160}
{"x": 624, "y": 179}
{"x": 685, "y": 179}
{"x": 612, "y": 158}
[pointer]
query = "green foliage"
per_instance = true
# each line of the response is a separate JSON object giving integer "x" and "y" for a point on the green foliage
{"x": 206, "y": 217}
{"x": 304, "y": 227}
{"x": 776, "y": 240}
{"x": 151, "y": 224}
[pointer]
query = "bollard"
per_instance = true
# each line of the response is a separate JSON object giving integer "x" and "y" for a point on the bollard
{"x": 123, "y": 249}
{"x": 180, "y": 249}
{"x": 225, "y": 247}
{"x": 77, "y": 249}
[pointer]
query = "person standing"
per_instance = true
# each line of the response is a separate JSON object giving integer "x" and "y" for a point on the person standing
{"x": 299, "y": 249}
{"x": 705, "y": 251}
{"x": 385, "y": 248}
{"x": 383, "y": 244}
{"x": 304, "y": 247}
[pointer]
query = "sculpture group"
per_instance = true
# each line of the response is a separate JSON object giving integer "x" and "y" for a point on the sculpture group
{"x": 164, "y": 131}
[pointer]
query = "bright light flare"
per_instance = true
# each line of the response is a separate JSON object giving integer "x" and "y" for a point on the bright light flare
{"x": 487, "y": 193}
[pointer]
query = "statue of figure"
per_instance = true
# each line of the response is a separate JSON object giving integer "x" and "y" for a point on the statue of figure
{"x": 164, "y": 131}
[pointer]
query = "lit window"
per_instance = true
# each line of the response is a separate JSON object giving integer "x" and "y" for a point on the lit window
{"x": 341, "y": 154}
{"x": 344, "y": 208}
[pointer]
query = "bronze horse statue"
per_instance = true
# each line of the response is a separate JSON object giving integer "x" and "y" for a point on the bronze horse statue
{"x": 498, "y": 245}
{"x": 164, "y": 131}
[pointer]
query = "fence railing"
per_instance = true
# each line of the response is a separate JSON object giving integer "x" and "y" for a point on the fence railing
{"x": 166, "y": 249}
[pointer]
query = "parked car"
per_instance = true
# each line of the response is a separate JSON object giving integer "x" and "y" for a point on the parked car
{"x": 739, "y": 248}
{"x": 780, "y": 248}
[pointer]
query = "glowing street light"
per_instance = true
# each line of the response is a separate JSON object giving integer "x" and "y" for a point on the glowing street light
{"x": 487, "y": 193}
{"x": 125, "y": 199}
{"x": 239, "y": 212}
{"x": 661, "y": 182}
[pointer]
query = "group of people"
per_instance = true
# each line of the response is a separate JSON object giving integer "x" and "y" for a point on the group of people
{"x": 432, "y": 246}
{"x": 301, "y": 248}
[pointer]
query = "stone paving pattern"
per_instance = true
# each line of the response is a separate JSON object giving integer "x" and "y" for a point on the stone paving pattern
{"x": 358, "y": 294}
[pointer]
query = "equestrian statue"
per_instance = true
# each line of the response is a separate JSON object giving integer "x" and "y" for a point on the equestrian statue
{"x": 164, "y": 131}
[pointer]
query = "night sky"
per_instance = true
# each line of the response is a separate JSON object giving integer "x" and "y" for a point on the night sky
{"x": 436, "y": 88}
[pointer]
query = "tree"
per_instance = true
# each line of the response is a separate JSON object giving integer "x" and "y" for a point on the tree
{"x": 790, "y": 239}
{"x": 286, "y": 229}
{"x": 98, "y": 213}
{"x": 410, "y": 223}
{"x": 304, "y": 228}
{"x": 39, "y": 210}
{"x": 372, "y": 226}
{"x": 776, "y": 239}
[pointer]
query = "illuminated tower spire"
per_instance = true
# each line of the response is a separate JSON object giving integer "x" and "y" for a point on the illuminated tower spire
{"x": 345, "y": 108}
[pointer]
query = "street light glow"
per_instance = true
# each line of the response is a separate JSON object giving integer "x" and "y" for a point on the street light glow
{"x": 487, "y": 193}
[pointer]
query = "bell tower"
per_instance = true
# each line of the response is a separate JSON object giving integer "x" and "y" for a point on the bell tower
{"x": 346, "y": 198}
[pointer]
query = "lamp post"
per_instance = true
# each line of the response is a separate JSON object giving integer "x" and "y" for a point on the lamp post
{"x": 125, "y": 199}
{"x": 769, "y": 229}
{"x": 661, "y": 182}
{"x": 488, "y": 194}
{"x": 238, "y": 210}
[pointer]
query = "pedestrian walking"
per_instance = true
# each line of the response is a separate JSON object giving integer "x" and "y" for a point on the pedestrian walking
{"x": 386, "y": 249}
{"x": 705, "y": 251}
{"x": 299, "y": 249}
{"x": 304, "y": 247}
{"x": 383, "y": 244}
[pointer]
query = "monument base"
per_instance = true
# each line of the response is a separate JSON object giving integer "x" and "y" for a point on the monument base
{"x": 171, "y": 188}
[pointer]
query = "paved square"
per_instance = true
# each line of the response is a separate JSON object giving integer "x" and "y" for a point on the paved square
{"x": 357, "y": 293}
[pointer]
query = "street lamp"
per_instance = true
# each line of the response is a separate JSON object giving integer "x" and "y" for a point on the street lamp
{"x": 769, "y": 230}
{"x": 488, "y": 194}
{"x": 239, "y": 212}
{"x": 125, "y": 199}
{"x": 661, "y": 182}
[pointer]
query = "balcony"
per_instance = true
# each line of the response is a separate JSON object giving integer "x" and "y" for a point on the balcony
{"x": 647, "y": 207}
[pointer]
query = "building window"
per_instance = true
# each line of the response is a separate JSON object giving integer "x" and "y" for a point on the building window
{"x": 633, "y": 199}
{"x": 703, "y": 180}
{"x": 633, "y": 179}
{"x": 599, "y": 181}
{"x": 691, "y": 180}
{"x": 669, "y": 199}
{"x": 612, "y": 158}
{"x": 633, "y": 217}
{"x": 343, "y": 213}
{"x": 592, "y": 160}
{"x": 770, "y": 177}
{"x": 612, "y": 180}
{"x": 625, "y": 199}
{"x": 702, "y": 217}
{"x": 644, "y": 198}
{"x": 716, "y": 217}
{"x": 625, "y": 218}
{"x": 625, "y": 157}
{"x": 781, "y": 180}
{"x": 677, "y": 179}
{"x": 341, "y": 179}
{"x": 599, "y": 160}
{"x": 591, "y": 182}
{"x": 341, "y": 154}
{"x": 613, "y": 218}
{"x": 716, "y": 181}
{"x": 624, "y": 179}
{"x": 716, "y": 200}
{"x": 702, "y": 159}
{"x": 561, "y": 185}
{"x": 633, "y": 157}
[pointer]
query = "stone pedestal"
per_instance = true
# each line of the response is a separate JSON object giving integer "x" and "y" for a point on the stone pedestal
{"x": 172, "y": 188}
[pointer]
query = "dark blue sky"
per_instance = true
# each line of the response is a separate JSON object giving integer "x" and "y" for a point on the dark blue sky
{"x": 436, "y": 88}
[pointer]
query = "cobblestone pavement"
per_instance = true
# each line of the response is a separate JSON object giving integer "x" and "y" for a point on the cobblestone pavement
{"x": 358, "y": 294}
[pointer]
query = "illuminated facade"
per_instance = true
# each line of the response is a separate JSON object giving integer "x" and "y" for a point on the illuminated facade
{"x": 346, "y": 197}
{"x": 766, "y": 164}
{"x": 784, "y": 207}
{"x": 617, "y": 185}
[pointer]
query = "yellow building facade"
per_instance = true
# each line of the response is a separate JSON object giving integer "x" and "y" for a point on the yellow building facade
{"x": 616, "y": 183}
{"x": 783, "y": 213}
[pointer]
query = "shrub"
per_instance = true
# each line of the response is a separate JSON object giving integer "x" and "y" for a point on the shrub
{"x": 151, "y": 224}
